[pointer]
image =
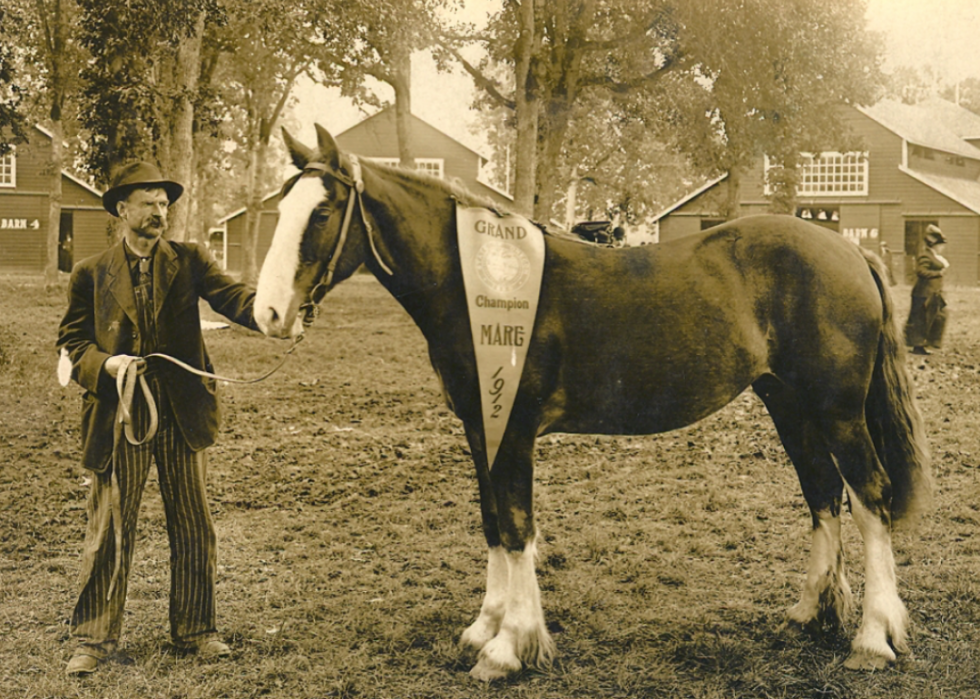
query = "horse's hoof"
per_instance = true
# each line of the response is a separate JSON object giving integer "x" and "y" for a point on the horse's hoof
{"x": 497, "y": 660}
{"x": 474, "y": 639}
{"x": 488, "y": 671}
{"x": 867, "y": 661}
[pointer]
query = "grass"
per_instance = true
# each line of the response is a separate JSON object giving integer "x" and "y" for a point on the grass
{"x": 351, "y": 555}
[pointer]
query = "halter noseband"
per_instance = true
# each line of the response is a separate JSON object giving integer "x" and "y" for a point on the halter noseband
{"x": 311, "y": 308}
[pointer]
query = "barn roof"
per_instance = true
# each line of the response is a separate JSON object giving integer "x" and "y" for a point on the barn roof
{"x": 65, "y": 173}
{"x": 931, "y": 124}
{"x": 388, "y": 112}
{"x": 693, "y": 195}
{"x": 962, "y": 191}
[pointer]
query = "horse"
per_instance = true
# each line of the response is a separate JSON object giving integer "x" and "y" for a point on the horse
{"x": 635, "y": 341}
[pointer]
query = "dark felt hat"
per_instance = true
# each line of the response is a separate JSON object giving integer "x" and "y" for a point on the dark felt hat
{"x": 933, "y": 235}
{"x": 138, "y": 176}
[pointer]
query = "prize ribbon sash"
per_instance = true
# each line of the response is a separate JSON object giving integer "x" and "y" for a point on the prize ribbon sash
{"x": 503, "y": 260}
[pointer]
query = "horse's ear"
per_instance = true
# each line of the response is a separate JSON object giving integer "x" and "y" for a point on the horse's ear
{"x": 300, "y": 154}
{"x": 328, "y": 147}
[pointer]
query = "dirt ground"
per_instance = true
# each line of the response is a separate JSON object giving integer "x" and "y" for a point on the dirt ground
{"x": 351, "y": 556}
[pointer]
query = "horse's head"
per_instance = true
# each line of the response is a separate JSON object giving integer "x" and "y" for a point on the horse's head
{"x": 309, "y": 251}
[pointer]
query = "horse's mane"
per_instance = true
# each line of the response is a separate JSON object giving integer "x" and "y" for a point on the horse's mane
{"x": 453, "y": 188}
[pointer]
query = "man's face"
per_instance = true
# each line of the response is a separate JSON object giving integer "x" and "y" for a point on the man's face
{"x": 145, "y": 212}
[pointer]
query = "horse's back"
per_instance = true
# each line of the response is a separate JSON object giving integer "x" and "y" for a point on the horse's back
{"x": 653, "y": 338}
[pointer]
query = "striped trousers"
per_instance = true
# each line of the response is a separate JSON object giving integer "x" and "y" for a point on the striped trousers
{"x": 97, "y": 619}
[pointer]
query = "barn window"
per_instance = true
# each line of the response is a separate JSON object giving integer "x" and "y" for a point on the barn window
{"x": 827, "y": 174}
{"x": 8, "y": 170}
{"x": 833, "y": 174}
{"x": 431, "y": 166}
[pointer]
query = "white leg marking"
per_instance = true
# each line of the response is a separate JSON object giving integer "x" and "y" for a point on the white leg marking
{"x": 885, "y": 618}
{"x": 488, "y": 623}
{"x": 826, "y": 595}
{"x": 523, "y": 637}
{"x": 275, "y": 289}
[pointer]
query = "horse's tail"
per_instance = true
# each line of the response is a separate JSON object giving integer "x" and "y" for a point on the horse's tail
{"x": 892, "y": 415}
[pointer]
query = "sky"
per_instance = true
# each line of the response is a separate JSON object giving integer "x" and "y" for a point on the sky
{"x": 942, "y": 33}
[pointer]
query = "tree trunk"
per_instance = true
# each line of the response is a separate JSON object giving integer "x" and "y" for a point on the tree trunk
{"x": 525, "y": 177}
{"x": 402, "y": 82}
{"x": 181, "y": 165}
{"x": 253, "y": 216}
{"x": 733, "y": 195}
{"x": 54, "y": 202}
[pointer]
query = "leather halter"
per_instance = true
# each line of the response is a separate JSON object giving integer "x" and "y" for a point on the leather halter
{"x": 311, "y": 307}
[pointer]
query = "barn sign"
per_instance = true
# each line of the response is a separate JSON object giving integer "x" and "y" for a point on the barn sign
{"x": 21, "y": 224}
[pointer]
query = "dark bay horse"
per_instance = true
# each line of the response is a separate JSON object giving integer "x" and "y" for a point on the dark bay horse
{"x": 637, "y": 341}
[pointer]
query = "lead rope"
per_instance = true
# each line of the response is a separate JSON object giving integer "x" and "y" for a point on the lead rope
{"x": 129, "y": 375}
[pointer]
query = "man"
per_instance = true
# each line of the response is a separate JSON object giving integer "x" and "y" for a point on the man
{"x": 139, "y": 297}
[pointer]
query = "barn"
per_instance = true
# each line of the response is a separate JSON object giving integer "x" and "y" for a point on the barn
{"x": 24, "y": 204}
{"x": 374, "y": 138}
{"x": 919, "y": 165}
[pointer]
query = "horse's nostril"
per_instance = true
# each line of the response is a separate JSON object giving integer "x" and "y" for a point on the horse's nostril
{"x": 273, "y": 316}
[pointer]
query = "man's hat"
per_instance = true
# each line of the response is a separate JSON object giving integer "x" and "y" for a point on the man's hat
{"x": 933, "y": 235}
{"x": 138, "y": 176}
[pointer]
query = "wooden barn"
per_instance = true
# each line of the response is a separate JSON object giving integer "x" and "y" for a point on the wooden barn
{"x": 374, "y": 138}
{"x": 920, "y": 164}
{"x": 24, "y": 201}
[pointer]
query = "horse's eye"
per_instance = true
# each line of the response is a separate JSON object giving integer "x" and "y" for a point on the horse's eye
{"x": 322, "y": 212}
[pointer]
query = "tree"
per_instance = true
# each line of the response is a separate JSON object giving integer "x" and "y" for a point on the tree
{"x": 768, "y": 78}
{"x": 269, "y": 44}
{"x": 49, "y": 58}
{"x": 142, "y": 86}
{"x": 376, "y": 39}
{"x": 724, "y": 82}
{"x": 13, "y": 124}
{"x": 559, "y": 52}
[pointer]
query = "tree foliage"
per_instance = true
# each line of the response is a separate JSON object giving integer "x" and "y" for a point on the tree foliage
{"x": 724, "y": 82}
{"x": 367, "y": 40}
{"x": 13, "y": 123}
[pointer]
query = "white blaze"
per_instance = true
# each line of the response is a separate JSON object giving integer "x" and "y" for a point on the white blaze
{"x": 276, "y": 291}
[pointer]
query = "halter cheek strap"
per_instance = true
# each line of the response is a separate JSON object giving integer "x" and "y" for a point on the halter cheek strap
{"x": 356, "y": 183}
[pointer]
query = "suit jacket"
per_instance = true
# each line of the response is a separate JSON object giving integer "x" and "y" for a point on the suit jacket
{"x": 101, "y": 321}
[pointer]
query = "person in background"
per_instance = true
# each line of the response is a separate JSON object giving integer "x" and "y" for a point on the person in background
{"x": 138, "y": 297}
{"x": 927, "y": 316}
{"x": 886, "y": 256}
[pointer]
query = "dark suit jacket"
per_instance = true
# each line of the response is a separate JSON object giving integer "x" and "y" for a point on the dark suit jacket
{"x": 101, "y": 321}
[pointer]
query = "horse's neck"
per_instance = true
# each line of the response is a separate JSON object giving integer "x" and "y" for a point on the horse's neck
{"x": 416, "y": 226}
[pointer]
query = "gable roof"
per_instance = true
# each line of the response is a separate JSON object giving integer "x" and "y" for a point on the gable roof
{"x": 693, "y": 195}
{"x": 927, "y": 124}
{"x": 389, "y": 112}
{"x": 962, "y": 191}
{"x": 64, "y": 173}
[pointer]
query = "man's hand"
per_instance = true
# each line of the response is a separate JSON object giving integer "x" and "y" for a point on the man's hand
{"x": 112, "y": 364}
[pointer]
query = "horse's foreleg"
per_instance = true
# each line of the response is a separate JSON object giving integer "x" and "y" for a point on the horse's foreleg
{"x": 885, "y": 620}
{"x": 521, "y": 637}
{"x": 487, "y": 624}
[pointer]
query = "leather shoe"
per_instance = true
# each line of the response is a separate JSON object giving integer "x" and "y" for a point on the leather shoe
{"x": 82, "y": 665}
{"x": 212, "y": 648}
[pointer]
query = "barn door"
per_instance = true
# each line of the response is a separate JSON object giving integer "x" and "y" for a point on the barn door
{"x": 66, "y": 242}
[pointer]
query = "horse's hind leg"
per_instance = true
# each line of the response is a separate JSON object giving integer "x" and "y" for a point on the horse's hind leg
{"x": 826, "y": 597}
{"x": 510, "y": 629}
{"x": 883, "y": 626}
